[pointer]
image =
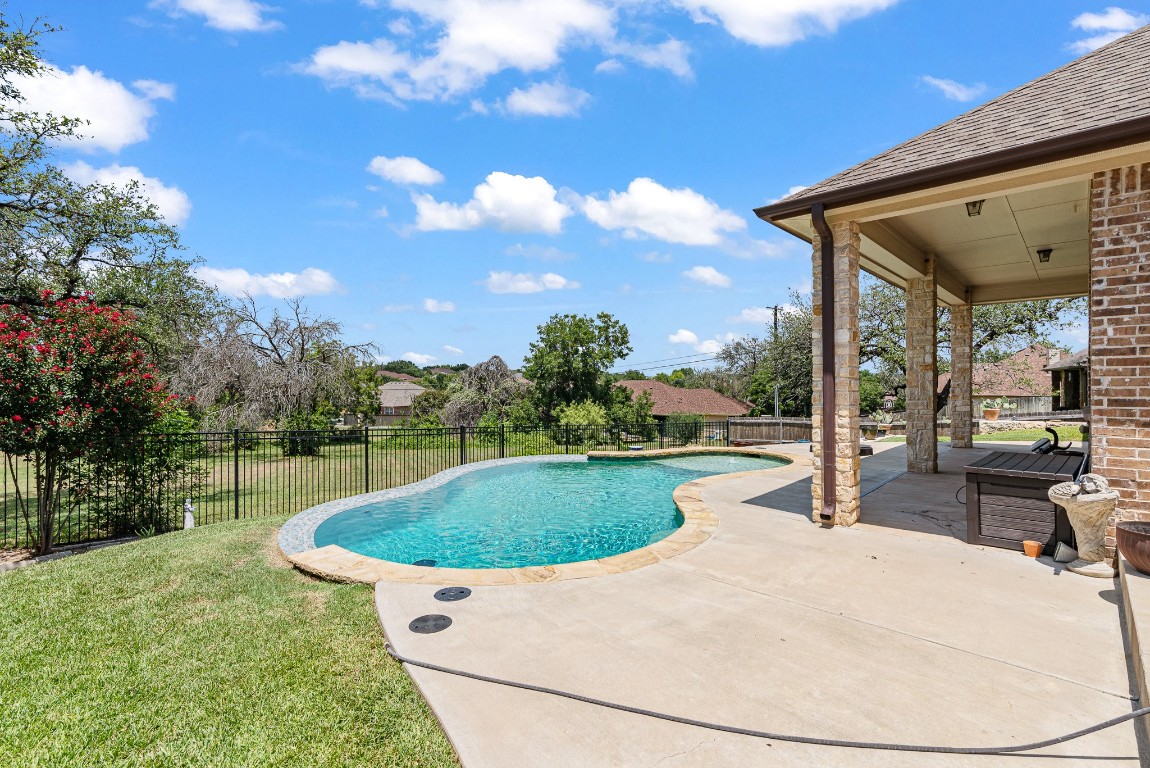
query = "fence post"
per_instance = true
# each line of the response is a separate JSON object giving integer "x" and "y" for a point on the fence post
{"x": 366, "y": 459}
{"x": 502, "y": 441}
{"x": 462, "y": 445}
{"x": 662, "y": 434}
{"x": 236, "y": 470}
{"x": 728, "y": 431}
{"x": 567, "y": 438}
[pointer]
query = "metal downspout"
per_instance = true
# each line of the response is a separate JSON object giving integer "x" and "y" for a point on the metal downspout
{"x": 827, "y": 248}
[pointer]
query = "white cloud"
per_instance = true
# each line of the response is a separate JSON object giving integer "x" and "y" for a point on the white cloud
{"x": 404, "y": 170}
{"x": 477, "y": 39}
{"x": 436, "y": 306}
{"x": 116, "y": 116}
{"x": 227, "y": 15}
{"x": 1110, "y": 25}
{"x": 542, "y": 253}
{"x": 710, "y": 346}
{"x": 507, "y": 202}
{"x": 171, "y": 202}
{"x": 419, "y": 359}
{"x": 953, "y": 90}
{"x": 672, "y": 215}
{"x": 779, "y": 22}
{"x": 609, "y": 66}
{"x": 154, "y": 90}
{"x": 670, "y": 55}
{"x": 756, "y": 315}
{"x": 452, "y": 350}
{"x": 683, "y": 336}
{"x": 553, "y": 99}
{"x": 708, "y": 276}
{"x": 278, "y": 285}
{"x": 525, "y": 282}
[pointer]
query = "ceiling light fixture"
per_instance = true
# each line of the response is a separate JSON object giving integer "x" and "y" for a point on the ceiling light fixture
{"x": 974, "y": 207}
{"x": 1044, "y": 254}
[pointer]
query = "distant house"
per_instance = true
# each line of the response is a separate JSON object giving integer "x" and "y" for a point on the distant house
{"x": 1070, "y": 381}
{"x": 669, "y": 400}
{"x": 395, "y": 399}
{"x": 1021, "y": 379}
{"x": 395, "y": 376}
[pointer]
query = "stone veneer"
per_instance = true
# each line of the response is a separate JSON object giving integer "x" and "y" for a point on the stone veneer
{"x": 846, "y": 426}
{"x": 921, "y": 372}
{"x": 1120, "y": 337}
{"x": 961, "y": 363}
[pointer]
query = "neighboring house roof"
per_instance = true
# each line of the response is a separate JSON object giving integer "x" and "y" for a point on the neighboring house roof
{"x": 1077, "y": 360}
{"x": 444, "y": 371}
{"x": 1023, "y": 374}
{"x": 398, "y": 394}
{"x": 669, "y": 400}
{"x": 1093, "y": 103}
{"x": 396, "y": 376}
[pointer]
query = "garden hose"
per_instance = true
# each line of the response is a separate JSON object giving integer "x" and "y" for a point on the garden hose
{"x": 813, "y": 740}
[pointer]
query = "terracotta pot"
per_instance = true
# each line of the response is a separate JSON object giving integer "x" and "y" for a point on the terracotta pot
{"x": 990, "y": 414}
{"x": 1134, "y": 543}
{"x": 1032, "y": 548}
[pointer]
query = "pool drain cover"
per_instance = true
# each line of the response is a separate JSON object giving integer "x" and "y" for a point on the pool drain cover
{"x": 433, "y": 622}
{"x": 428, "y": 563}
{"x": 451, "y": 594}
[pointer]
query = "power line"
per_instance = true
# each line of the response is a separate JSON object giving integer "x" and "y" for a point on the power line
{"x": 669, "y": 359}
{"x": 672, "y": 365}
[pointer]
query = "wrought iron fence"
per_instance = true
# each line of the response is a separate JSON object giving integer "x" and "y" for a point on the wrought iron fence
{"x": 243, "y": 474}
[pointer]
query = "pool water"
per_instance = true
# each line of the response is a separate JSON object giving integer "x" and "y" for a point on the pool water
{"x": 538, "y": 513}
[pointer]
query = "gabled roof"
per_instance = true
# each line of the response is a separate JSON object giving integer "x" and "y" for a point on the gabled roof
{"x": 669, "y": 400}
{"x": 398, "y": 394}
{"x": 1097, "y": 102}
{"x": 394, "y": 376}
{"x": 1080, "y": 359}
{"x": 1023, "y": 374}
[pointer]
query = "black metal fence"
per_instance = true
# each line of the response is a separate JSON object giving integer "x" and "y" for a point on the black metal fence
{"x": 242, "y": 474}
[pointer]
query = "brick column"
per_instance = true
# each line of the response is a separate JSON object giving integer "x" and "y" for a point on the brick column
{"x": 921, "y": 372}
{"x": 1119, "y": 393}
{"x": 846, "y": 426}
{"x": 961, "y": 358}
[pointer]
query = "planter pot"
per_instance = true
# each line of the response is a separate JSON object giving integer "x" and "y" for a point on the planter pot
{"x": 1134, "y": 543}
{"x": 990, "y": 414}
{"x": 1032, "y": 548}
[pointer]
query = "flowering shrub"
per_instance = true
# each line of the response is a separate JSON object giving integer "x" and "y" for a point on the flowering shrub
{"x": 74, "y": 382}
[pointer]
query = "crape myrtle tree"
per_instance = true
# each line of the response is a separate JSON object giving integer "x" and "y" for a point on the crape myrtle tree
{"x": 569, "y": 361}
{"x": 74, "y": 383}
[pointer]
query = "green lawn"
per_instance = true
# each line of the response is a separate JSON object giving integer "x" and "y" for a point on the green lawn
{"x": 201, "y": 648}
{"x": 1020, "y": 435}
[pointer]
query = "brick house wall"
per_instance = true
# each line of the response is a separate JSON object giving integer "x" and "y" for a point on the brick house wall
{"x": 1120, "y": 337}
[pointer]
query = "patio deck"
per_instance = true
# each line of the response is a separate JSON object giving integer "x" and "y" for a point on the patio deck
{"x": 892, "y": 630}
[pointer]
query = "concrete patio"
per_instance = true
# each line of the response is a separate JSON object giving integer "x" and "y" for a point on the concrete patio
{"x": 893, "y": 630}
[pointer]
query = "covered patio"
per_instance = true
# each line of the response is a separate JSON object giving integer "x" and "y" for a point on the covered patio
{"x": 1043, "y": 192}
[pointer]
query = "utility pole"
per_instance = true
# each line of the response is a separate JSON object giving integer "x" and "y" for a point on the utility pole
{"x": 775, "y": 368}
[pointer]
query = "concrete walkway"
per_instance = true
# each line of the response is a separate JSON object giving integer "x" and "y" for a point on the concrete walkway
{"x": 874, "y": 633}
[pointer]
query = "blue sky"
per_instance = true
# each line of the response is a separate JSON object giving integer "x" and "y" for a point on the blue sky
{"x": 443, "y": 175}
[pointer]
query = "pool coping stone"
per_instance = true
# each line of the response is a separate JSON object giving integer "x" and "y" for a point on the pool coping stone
{"x": 334, "y": 563}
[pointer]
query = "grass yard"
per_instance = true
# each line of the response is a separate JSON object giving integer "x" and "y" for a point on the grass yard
{"x": 201, "y": 648}
{"x": 1018, "y": 435}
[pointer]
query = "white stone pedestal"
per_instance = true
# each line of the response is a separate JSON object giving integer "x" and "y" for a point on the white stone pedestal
{"x": 1089, "y": 503}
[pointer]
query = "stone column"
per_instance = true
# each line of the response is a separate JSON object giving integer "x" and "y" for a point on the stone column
{"x": 921, "y": 372}
{"x": 961, "y": 359}
{"x": 1119, "y": 388}
{"x": 845, "y": 295}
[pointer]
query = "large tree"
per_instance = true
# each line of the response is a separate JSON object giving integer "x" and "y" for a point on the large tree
{"x": 569, "y": 361}
{"x": 254, "y": 366}
{"x": 1000, "y": 330}
{"x": 77, "y": 240}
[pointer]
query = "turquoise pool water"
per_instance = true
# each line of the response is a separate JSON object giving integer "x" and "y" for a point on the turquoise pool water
{"x": 537, "y": 513}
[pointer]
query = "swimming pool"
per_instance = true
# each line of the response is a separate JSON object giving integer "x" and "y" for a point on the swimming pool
{"x": 530, "y": 513}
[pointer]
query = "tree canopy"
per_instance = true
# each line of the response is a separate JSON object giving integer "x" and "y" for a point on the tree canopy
{"x": 569, "y": 361}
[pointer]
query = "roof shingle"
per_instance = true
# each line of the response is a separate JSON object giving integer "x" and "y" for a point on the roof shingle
{"x": 669, "y": 400}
